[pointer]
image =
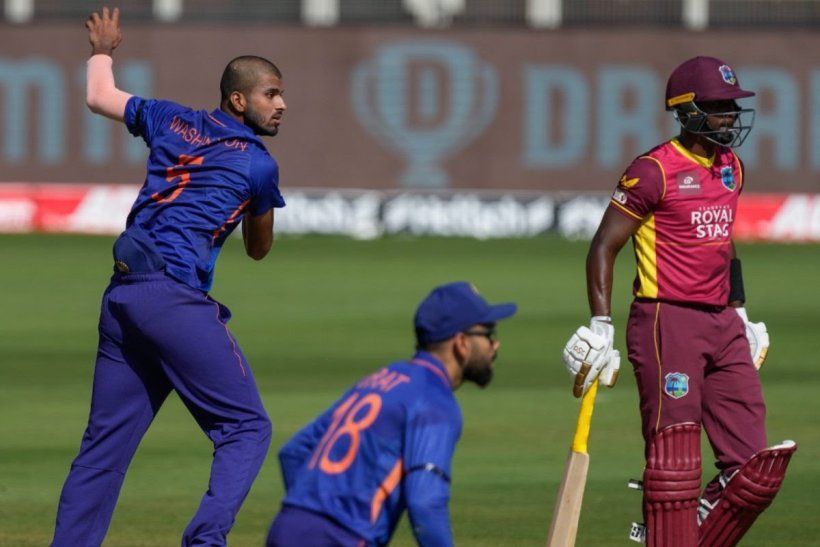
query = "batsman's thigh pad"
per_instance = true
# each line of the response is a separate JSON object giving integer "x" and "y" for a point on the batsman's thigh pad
{"x": 749, "y": 492}
{"x": 671, "y": 483}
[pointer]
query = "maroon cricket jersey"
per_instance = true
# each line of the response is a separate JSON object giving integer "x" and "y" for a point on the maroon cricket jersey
{"x": 686, "y": 205}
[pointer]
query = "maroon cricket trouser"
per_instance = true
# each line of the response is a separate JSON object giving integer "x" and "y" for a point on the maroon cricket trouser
{"x": 693, "y": 364}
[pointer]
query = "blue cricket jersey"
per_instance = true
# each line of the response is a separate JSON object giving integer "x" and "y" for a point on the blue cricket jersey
{"x": 204, "y": 171}
{"x": 386, "y": 445}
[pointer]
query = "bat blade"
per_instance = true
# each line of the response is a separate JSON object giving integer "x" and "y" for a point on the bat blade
{"x": 567, "y": 511}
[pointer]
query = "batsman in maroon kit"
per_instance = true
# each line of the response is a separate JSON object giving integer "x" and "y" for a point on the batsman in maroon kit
{"x": 694, "y": 352}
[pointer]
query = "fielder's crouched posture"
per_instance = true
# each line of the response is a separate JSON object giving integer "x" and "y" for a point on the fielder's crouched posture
{"x": 386, "y": 445}
{"x": 694, "y": 352}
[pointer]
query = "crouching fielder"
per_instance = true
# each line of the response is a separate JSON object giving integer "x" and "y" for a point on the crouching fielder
{"x": 387, "y": 444}
{"x": 693, "y": 350}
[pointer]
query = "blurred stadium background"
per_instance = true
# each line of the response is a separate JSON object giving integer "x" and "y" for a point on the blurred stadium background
{"x": 425, "y": 141}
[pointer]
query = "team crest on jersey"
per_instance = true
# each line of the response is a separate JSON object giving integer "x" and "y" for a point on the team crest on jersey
{"x": 676, "y": 385}
{"x": 727, "y": 177}
{"x": 728, "y": 74}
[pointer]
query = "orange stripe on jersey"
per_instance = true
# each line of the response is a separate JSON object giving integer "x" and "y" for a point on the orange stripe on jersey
{"x": 390, "y": 482}
{"x": 434, "y": 368}
{"x": 647, "y": 257}
{"x": 217, "y": 122}
{"x": 624, "y": 209}
{"x": 231, "y": 218}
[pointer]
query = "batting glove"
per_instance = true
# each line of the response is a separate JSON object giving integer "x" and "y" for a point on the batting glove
{"x": 609, "y": 374}
{"x": 602, "y": 325}
{"x": 587, "y": 352}
{"x": 758, "y": 338}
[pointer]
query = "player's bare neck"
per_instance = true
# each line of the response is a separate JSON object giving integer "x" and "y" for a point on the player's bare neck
{"x": 697, "y": 145}
{"x": 451, "y": 365}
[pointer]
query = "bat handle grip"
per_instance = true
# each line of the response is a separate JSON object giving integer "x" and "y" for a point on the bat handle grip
{"x": 579, "y": 441}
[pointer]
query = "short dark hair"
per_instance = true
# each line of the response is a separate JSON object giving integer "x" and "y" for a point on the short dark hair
{"x": 431, "y": 347}
{"x": 242, "y": 73}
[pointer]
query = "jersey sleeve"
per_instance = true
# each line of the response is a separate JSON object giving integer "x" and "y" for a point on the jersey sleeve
{"x": 430, "y": 438}
{"x": 265, "y": 194}
{"x": 640, "y": 189}
{"x": 428, "y": 498}
{"x": 146, "y": 117}
{"x": 430, "y": 441}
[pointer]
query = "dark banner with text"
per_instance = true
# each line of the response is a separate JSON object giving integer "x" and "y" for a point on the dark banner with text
{"x": 406, "y": 109}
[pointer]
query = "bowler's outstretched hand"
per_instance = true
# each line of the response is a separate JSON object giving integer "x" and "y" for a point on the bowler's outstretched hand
{"x": 104, "y": 32}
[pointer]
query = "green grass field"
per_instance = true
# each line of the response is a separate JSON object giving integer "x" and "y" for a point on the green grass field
{"x": 320, "y": 312}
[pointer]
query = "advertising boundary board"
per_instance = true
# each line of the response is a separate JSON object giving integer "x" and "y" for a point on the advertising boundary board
{"x": 367, "y": 214}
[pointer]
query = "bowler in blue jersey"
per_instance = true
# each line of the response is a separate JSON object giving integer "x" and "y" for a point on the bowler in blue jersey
{"x": 159, "y": 329}
{"x": 387, "y": 444}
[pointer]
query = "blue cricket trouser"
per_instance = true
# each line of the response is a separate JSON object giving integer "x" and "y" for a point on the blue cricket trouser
{"x": 297, "y": 527}
{"x": 157, "y": 334}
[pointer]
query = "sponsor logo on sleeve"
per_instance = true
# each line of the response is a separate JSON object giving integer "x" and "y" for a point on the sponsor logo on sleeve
{"x": 727, "y": 177}
{"x": 619, "y": 196}
{"x": 627, "y": 183}
{"x": 676, "y": 385}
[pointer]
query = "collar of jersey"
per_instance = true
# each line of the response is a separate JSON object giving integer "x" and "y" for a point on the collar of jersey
{"x": 225, "y": 118}
{"x": 700, "y": 160}
{"x": 424, "y": 359}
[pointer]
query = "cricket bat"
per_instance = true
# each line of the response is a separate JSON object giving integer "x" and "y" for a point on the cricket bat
{"x": 567, "y": 511}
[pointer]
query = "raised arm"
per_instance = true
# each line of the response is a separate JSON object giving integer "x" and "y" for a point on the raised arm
{"x": 102, "y": 95}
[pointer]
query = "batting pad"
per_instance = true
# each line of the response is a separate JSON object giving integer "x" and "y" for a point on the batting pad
{"x": 671, "y": 484}
{"x": 749, "y": 492}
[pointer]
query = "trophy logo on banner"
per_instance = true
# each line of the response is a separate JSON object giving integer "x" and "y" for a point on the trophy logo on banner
{"x": 425, "y": 99}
